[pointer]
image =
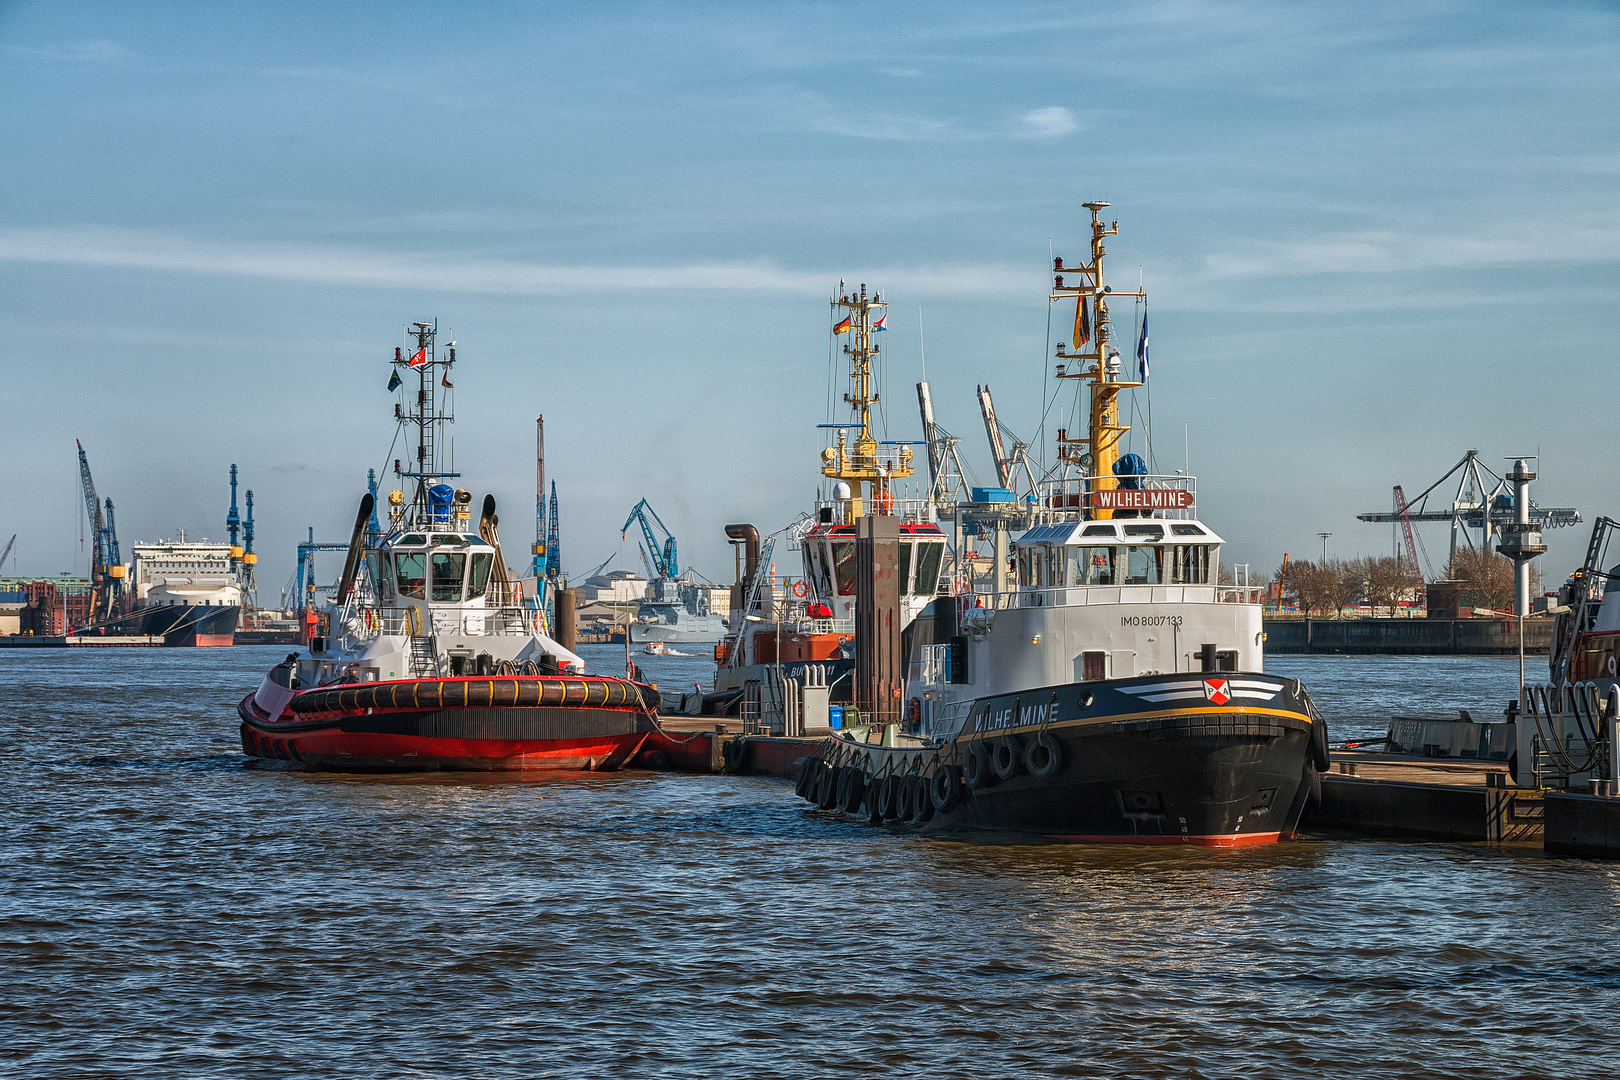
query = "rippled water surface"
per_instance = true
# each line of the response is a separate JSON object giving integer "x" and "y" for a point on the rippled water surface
{"x": 169, "y": 910}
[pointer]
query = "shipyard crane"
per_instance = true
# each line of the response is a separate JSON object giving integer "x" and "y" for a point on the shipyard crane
{"x": 1477, "y": 504}
{"x": 7, "y": 553}
{"x": 541, "y": 551}
{"x": 250, "y": 579}
{"x": 1007, "y": 465}
{"x": 663, "y": 556}
{"x": 998, "y": 452}
{"x": 947, "y": 484}
{"x": 1412, "y": 542}
{"x": 553, "y": 543}
{"x": 105, "y": 588}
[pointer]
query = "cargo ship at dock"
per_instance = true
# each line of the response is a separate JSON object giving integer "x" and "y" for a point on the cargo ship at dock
{"x": 428, "y": 656}
{"x": 1113, "y": 691}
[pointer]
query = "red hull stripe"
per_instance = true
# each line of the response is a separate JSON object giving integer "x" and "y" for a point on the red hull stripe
{"x": 414, "y": 751}
{"x": 1231, "y": 840}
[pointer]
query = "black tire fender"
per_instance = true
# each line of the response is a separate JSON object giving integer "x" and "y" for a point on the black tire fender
{"x": 827, "y": 788}
{"x": 807, "y": 777}
{"x": 1043, "y": 757}
{"x": 1007, "y": 757}
{"x": 852, "y": 791}
{"x": 945, "y": 788}
{"x": 976, "y": 768}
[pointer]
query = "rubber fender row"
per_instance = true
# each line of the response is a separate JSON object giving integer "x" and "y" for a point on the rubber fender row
{"x": 989, "y": 762}
{"x": 513, "y": 693}
{"x": 912, "y": 799}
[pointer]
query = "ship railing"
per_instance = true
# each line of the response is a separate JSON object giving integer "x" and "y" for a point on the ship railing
{"x": 472, "y": 622}
{"x": 1085, "y": 595}
{"x": 946, "y": 719}
{"x": 909, "y": 511}
{"x": 1159, "y": 495}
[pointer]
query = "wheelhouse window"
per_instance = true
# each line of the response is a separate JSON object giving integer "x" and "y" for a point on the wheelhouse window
{"x": 1147, "y": 532}
{"x": 1091, "y": 565}
{"x": 479, "y": 582}
{"x": 410, "y": 570}
{"x": 905, "y": 568}
{"x": 823, "y": 568}
{"x": 928, "y": 559}
{"x": 1143, "y": 565}
{"x": 844, "y": 566}
{"x": 1188, "y": 564}
{"x": 449, "y": 567}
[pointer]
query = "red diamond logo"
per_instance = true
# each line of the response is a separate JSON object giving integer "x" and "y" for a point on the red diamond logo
{"x": 1217, "y": 691}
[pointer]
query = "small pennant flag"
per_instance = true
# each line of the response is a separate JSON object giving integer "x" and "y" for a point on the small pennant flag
{"x": 419, "y": 358}
{"x": 843, "y": 327}
{"x": 883, "y": 318}
{"x": 1142, "y": 349}
{"x": 394, "y": 380}
{"x": 1082, "y": 325}
{"x": 444, "y": 381}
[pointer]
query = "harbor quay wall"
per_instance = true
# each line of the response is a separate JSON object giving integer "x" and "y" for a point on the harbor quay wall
{"x": 1413, "y": 637}
{"x": 1586, "y": 825}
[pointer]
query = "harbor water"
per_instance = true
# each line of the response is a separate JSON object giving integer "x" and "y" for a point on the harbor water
{"x": 168, "y": 909}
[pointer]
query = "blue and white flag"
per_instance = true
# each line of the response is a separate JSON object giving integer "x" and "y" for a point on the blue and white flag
{"x": 883, "y": 318}
{"x": 1142, "y": 349}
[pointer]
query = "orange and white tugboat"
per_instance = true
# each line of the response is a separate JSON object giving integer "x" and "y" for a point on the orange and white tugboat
{"x": 427, "y": 657}
{"x": 781, "y": 625}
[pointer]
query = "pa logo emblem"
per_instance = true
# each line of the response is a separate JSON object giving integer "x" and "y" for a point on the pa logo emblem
{"x": 1217, "y": 691}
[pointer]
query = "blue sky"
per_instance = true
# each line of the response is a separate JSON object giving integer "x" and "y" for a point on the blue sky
{"x": 1374, "y": 236}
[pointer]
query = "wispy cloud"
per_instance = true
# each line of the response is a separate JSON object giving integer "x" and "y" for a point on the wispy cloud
{"x": 164, "y": 252}
{"x": 75, "y": 52}
{"x": 1393, "y": 251}
{"x": 1051, "y": 122}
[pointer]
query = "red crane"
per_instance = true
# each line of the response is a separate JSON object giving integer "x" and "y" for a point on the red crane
{"x": 1412, "y": 542}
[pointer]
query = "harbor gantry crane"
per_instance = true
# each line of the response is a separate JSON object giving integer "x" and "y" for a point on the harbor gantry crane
{"x": 553, "y": 546}
{"x": 1478, "y": 505}
{"x": 1007, "y": 465}
{"x": 663, "y": 556}
{"x": 250, "y": 580}
{"x": 6, "y": 554}
{"x": 106, "y": 587}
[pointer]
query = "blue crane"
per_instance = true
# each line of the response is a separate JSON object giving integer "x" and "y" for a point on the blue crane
{"x": 663, "y": 555}
{"x": 553, "y": 545}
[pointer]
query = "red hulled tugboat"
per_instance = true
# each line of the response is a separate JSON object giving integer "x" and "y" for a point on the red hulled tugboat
{"x": 428, "y": 656}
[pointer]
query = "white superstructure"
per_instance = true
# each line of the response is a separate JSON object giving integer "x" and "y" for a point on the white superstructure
{"x": 184, "y": 573}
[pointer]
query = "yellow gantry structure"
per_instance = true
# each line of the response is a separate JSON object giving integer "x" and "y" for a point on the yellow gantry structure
{"x": 861, "y": 464}
{"x": 1097, "y": 362}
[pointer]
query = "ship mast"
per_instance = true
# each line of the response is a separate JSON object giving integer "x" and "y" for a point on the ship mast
{"x": 1099, "y": 366}
{"x": 861, "y": 463}
{"x": 424, "y": 414}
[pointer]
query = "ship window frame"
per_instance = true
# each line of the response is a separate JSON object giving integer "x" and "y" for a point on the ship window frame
{"x": 1084, "y": 574}
{"x": 1154, "y": 558}
{"x": 418, "y": 591}
{"x": 413, "y": 538}
{"x": 905, "y": 567}
{"x": 824, "y": 568}
{"x": 1100, "y": 530}
{"x": 931, "y": 562}
{"x": 479, "y": 586}
{"x": 443, "y": 585}
{"x": 1153, "y": 532}
{"x": 844, "y": 558}
{"x": 1182, "y": 528}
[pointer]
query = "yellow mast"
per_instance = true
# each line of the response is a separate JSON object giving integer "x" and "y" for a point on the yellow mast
{"x": 862, "y": 464}
{"x": 1099, "y": 367}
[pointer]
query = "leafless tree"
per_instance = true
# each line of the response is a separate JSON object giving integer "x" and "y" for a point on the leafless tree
{"x": 1388, "y": 580}
{"x": 1485, "y": 579}
{"x": 1341, "y": 584}
{"x": 1304, "y": 583}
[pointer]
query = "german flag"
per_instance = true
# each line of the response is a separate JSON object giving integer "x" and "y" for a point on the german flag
{"x": 843, "y": 327}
